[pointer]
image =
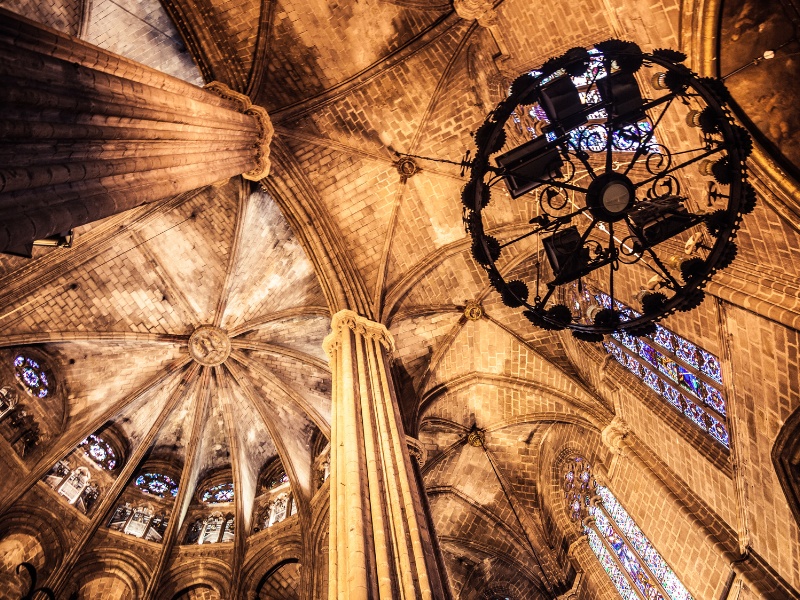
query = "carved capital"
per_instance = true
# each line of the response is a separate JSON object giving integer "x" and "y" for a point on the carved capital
{"x": 614, "y": 435}
{"x": 417, "y": 450}
{"x": 265, "y": 129}
{"x": 345, "y": 320}
{"x": 473, "y": 9}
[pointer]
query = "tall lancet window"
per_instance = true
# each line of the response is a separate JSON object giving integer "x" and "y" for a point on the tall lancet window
{"x": 682, "y": 373}
{"x": 634, "y": 566}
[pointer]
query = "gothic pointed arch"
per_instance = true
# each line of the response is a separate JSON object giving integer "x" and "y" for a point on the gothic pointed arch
{"x": 786, "y": 459}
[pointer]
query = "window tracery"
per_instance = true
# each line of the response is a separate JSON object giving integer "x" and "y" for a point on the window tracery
{"x": 73, "y": 484}
{"x": 685, "y": 375}
{"x": 97, "y": 449}
{"x": 219, "y": 494}
{"x": 8, "y": 401}
{"x": 157, "y": 484}
{"x": 139, "y": 521}
{"x": 277, "y": 479}
{"x": 213, "y": 529}
{"x": 31, "y": 375}
{"x": 634, "y": 566}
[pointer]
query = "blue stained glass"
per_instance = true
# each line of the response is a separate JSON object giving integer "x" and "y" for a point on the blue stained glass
{"x": 646, "y": 351}
{"x": 710, "y": 367}
{"x": 658, "y": 566}
{"x": 673, "y": 396}
{"x": 686, "y": 351}
{"x": 610, "y": 566}
{"x": 664, "y": 338}
{"x": 627, "y": 557}
{"x": 157, "y": 484}
{"x": 537, "y": 112}
{"x": 695, "y": 413}
{"x": 219, "y": 494}
{"x": 689, "y": 380}
{"x": 31, "y": 375}
{"x": 719, "y": 432}
{"x": 630, "y": 342}
{"x": 99, "y": 451}
{"x": 652, "y": 380}
{"x": 713, "y": 398}
{"x": 634, "y": 366}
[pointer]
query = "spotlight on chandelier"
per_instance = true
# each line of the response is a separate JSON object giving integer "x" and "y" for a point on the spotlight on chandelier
{"x": 632, "y": 174}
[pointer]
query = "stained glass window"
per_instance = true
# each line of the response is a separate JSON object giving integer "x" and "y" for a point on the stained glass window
{"x": 157, "y": 484}
{"x": 219, "y": 494}
{"x": 594, "y": 135}
{"x": 278, "y": 479}
{"x": 634, "y": 566}
{"x": 99, "y": 451}
{"x": 31, "y": 375}
{"x": 687, "y": 376}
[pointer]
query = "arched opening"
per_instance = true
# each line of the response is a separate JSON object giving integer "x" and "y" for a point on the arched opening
{"x": 282, "y": 582}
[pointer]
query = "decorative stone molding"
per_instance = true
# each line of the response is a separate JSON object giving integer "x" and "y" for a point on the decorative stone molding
{"x": 480, "y": 10}
{"x": 417, "y": 451}
{"x": 484, "y": 13}
{"x": 614, "y": 434}
{"x": 265, "y": 129}
{"x": 476, "y": 438}
{"x": 347, "y": 319}
{"x": 209, "y": 345}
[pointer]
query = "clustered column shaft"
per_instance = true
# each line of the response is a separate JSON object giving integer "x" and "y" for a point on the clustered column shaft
{"x": 377, "y": 546}
{"x": 88, "y": 134}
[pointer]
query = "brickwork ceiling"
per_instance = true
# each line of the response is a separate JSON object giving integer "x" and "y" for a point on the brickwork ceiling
{"x": 348, "y": 83}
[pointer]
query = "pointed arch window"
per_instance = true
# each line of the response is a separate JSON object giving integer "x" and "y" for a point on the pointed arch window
{"x": 212, "y": 529}
{"x": 139, "y": 521}
{"x": 685, "y": 375}
{"x": 634, "y": 566}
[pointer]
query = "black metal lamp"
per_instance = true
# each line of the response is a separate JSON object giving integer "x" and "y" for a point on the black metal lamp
{"x": 609, "y": 205}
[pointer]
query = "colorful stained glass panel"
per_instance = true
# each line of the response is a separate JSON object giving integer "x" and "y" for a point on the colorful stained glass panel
{"x": 99, "y": 451}
{"x": 157, "y": 484}
{"x": 219, "y": 494}
{"x": 710, "y": 367}
{"x": 610, "y": 566}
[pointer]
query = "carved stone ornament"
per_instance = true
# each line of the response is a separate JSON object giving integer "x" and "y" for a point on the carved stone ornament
{"x": 209, "y": 345}
{"x": 614, "y": 435}
{"x": 347, "y": 319}
{"x": 476, "y": 438}
{"x": 473, "y": 310}
{"x": 416, "y": 450}
{"x": 265, "y": 129}
{"x": 482, "y": 10}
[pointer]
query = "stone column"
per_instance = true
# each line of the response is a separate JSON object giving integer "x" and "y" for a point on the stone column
{"x": 484, "y": 13}
{"x": 88, "y": 134}
{"x": 379, "y": 545}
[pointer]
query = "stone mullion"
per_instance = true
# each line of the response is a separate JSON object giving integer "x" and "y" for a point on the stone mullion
{"x": 70, "y": 440}
{"x": 376, "y": 547}
{"x": 599, "y": 504}
{"x": 589, "y": 522}
{"x": 186, "y": 485}
{"x": 59, "y": 579}
{"x": 85, "y": 95}
{"x": 240, "y": 527}
{"x": 674, "y": 384}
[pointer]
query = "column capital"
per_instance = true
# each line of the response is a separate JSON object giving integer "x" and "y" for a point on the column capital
{"x": 349, "y": 320}
{"x": 416, "y": 450}
{"x": 265, "y": 129}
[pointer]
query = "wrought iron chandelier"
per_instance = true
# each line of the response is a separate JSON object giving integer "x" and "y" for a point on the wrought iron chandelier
{"x": 631, "y": 174}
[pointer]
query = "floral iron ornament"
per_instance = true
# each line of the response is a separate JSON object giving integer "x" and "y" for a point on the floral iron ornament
{"x": 632, "y": 174}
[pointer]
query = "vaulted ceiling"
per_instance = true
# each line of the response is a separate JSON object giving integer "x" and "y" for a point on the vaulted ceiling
{"x": 347, "y": 84}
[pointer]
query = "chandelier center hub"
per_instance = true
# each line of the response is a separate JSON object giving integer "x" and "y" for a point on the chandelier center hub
{"x": 209, "y": 345}
{"x": 610, "y": 196}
